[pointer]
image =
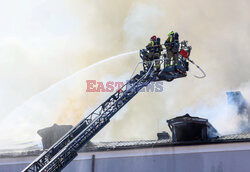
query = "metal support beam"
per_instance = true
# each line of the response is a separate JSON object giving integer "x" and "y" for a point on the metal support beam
{"x": 93, "y": 163}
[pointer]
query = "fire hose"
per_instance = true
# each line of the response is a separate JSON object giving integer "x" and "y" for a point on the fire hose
{"x": 202, "y": 71}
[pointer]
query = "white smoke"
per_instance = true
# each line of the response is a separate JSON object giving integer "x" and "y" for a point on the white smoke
{"x": 42, "y": 42}
{"x": 64, "y": 102}
{"x": 221, "y": 115}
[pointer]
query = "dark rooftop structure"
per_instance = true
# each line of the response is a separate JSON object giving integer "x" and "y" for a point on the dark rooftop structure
{"x": 187, "y": 128}
{"x": 52, "y": 134}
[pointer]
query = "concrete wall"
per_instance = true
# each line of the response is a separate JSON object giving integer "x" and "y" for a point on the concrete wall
{"x": 203, "y": 158}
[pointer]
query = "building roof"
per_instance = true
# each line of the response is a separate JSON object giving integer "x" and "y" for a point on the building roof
{"x": 125, "y": 145}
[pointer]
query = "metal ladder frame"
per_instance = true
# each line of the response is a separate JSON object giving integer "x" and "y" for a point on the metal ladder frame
{"x": 65, "y": 150}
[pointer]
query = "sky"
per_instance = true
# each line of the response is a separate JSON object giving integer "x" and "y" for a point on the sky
{"x": 43, "y": 42}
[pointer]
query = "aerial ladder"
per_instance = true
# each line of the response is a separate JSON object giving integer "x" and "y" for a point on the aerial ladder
{"x": 59, "y": 155}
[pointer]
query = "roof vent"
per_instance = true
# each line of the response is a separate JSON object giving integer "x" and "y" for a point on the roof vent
{"x": 163, "y": 136}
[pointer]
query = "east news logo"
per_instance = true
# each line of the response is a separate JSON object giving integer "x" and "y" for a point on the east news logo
{"x": 114, "y": 86}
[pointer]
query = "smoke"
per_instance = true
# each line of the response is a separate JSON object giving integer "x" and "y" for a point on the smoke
{"x": 63, "y": 102}
{"x": 42, "y": 42}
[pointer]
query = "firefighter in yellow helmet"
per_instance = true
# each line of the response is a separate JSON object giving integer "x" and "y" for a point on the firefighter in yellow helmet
{"x": 172, "y": 45}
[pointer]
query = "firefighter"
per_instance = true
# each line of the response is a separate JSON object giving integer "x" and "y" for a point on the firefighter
{"x": 172, "y": 47}
{"x": 154, "y": 48}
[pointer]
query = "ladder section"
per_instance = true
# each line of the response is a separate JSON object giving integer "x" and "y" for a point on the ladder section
{"x": 65, "y": 150}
